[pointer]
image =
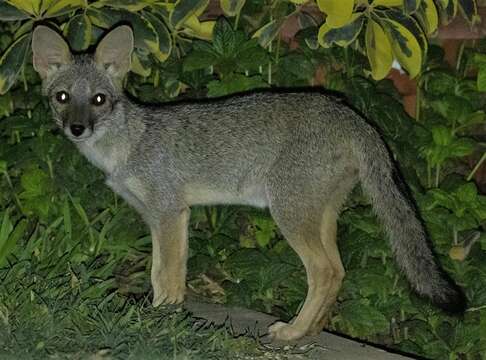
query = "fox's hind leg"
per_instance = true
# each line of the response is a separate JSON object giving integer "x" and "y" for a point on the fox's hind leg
{"x": 305, "y": 205}
{"x": 329, "y": 242}
{"x": 313, "y": 237}
{"x": 324, "y": 272}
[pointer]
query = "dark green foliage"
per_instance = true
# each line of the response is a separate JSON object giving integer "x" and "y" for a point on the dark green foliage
{"x": 74, "y": 259}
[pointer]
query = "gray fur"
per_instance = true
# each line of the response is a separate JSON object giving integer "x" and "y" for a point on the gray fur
{"x": 294, "y": 152}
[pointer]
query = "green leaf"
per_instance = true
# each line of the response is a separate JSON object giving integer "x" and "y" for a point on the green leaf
{"x": 467, "y": 193}
{"x": 200, "y": 59}
{"x": 12, "y": 61}
{"x": 481, "y": 81}
{"x": 442, "y": 135}
{"x": 268, "y": 32}
{"x": 11, "y": 13}
{"x": 363, "y": 319}
{"x": 410, "y": 6}
{"x": 343, "y": 36}
{"x": 104, "y": 18}
{"x": 232, "y": 7}
{"x": 62, "y": 7}
{"x": 8, "y": 244}
{"x": 144, "y": 32}
{"x": 234, "y": 83}
{"x": 250, "y": 55}
{"x": 461, "y": 147}
{"x": 78, "y": 32}
{"x": 225, "y": 40}
{"x": 164, "y": 37}
{"x": 439, "y": 82}
{"x": 469, "y": 10}
{"x": 452, "y": 108}
{"x": 35, "y": 182}
{"x": 138, "y": 66}
{"x": 183, "y": 9}
{"x": 31, "y": 6}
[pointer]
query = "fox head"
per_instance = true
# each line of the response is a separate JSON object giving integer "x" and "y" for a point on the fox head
{"x": 83, "y": 90}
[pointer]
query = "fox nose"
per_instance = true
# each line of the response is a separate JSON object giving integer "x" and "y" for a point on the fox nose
{"x": 77, "y": 129}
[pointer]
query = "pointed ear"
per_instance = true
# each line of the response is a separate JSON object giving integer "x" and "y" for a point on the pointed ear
{"x": 49, "y": 49}
{"x": 114, "y": 52}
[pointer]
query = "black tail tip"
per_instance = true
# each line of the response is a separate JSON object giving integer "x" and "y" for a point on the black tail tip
{"x": 454, "y": 302}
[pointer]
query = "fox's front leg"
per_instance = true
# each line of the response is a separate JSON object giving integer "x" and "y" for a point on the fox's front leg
{"x": 169, "y": 257}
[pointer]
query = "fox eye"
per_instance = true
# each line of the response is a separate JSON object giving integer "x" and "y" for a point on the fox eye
{"x": 62, "y": 97}
{"x": 99, "y": 99}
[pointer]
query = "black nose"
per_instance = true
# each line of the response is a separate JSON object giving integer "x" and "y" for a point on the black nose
{"x": 77, "y": 130}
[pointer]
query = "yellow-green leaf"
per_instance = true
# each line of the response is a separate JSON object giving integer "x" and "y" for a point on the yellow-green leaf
{"x": 104, "y": 18}
{"x": 183, "y": 9}
{"x": 137, "y": 67}
{"x": 430, "y": 16}
{"x": 202, "y": 30}
{"x": 379, "y": 50}
{"x": 62, "y": 7}
{"x": 165, "y": 40}
{"x": 343, "y": 36}
{"x": 338, "y": 11}
{"x": 29, "y": 6}
{"x": 130, "y": 5}
{"x": 388, "y": 3}
{"x": 408, "y": 22}
{"x": 78, "y": 32}
{"x": 268, "y": 32}
{"x": 12, "y": 61}
{"x": 232, "y": 7}
{"x": 299, "y": 2}
{"x": 406, "y": 47}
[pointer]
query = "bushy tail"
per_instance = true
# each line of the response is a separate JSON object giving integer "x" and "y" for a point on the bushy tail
{"x": 396, "y": 210}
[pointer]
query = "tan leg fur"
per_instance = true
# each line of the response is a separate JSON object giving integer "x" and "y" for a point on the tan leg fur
{"x": 316, "y": 246}
{"x": 169, "y": 258}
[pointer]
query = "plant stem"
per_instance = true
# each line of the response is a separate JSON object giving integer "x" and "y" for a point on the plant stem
{"x": 237, "y": 20}
{"x": 418, "y": 100}
{"x": 437, "y": 176}
{"x": 270, "y": 65}
{"x": 459, "y": 55}
{"x": 469, "y": 177}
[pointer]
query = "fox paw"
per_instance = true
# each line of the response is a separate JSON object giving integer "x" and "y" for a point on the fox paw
{"x": 169, "y": 296}
{"x": 285, "y": 332}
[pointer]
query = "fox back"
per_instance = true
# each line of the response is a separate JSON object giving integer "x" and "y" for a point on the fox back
{"x": 297, "y": 153}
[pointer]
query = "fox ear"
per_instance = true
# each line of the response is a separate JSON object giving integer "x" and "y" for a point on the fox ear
{"x": 114, "y": 52}
{"x": 49, "y": 49}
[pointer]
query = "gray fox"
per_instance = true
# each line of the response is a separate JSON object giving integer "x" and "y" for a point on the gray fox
{"x": 297, "y": 153}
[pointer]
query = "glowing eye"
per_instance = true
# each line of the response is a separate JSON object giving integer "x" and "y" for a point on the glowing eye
{"x": 99, "y": 99}
{"x": 62, "y": 97}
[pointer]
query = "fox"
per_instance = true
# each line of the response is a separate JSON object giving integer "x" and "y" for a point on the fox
{"x": 297, "y": 153}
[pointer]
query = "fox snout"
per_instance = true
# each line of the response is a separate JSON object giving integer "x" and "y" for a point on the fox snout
{"x": 78, "y": 124}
